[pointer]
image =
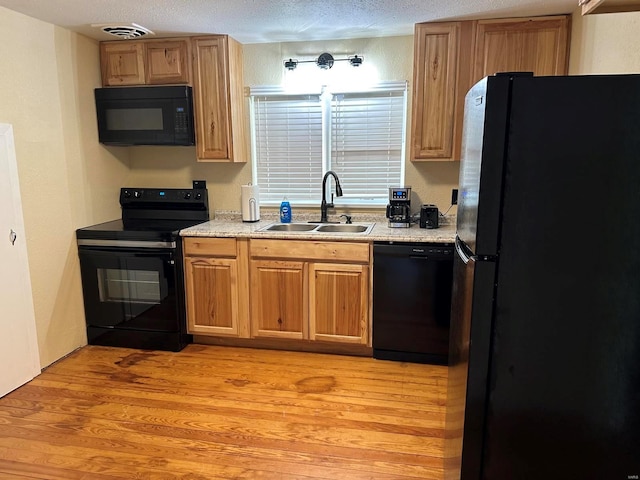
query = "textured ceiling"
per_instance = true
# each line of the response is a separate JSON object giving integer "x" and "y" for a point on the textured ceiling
{"x": 260, "y": 21}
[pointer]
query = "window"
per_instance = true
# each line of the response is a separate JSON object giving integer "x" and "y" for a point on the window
{"x": 358, "y": 135}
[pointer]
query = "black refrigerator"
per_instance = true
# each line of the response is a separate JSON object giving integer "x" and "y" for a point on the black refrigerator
{"x": 544, "y": 376}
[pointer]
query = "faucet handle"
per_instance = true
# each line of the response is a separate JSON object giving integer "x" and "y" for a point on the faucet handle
{"x": 348, "y": 217}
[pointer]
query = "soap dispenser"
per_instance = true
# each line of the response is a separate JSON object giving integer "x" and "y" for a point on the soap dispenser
{"x": 285, "y": 211}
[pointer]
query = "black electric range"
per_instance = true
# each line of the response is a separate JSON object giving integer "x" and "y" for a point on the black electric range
{"x": 132, "y": 272}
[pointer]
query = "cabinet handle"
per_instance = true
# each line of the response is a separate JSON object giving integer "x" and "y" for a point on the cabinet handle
{"x": 12, "y": 237}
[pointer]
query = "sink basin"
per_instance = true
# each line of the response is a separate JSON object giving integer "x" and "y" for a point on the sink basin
{"x": 342, "y": 228}
{"x": 362, "y": 229}
{"x": 289, "y": 227}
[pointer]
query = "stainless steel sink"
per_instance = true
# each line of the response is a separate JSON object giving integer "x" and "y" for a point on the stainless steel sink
{"x": 288, "y": 227}
{"x": 342, "y": 228}
{"x": 361, "y": 229}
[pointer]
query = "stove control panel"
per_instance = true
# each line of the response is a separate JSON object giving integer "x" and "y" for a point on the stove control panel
{"x": 137, "y": 197}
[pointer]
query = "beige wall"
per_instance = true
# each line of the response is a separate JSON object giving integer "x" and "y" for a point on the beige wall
{"x": 386, "y": 59}
{"x": 47, "y": 75}
{"x": 605, "y": 43}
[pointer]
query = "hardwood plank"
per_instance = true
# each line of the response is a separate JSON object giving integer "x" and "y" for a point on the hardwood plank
{"x": 221, "y": 412}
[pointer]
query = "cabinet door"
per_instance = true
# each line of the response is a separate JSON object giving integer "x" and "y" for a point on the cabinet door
{"x": 278, "y": 299}
{"x": 339, "y": 302}
{"x": 122, "y": 63}
{"x": 538, "y": 45}
{"x": 441, "y": 77}
{"x": 167, "y": 61}
{"x": 211, "y": 102}
{"x": 212, "y": 295}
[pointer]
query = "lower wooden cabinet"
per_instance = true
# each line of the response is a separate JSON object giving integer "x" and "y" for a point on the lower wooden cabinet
{"x": 279, "y": 290}
{"x": 278, "y": 306}
{"x": 338, "y": 302}
{"x": 214, "y": 277}
{"x": 310, "y": 290}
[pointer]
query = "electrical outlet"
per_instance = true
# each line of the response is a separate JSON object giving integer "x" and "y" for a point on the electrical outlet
{"x": 454, "y": 196}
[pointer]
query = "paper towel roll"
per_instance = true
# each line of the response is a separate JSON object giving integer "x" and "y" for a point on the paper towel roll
{"x": 250, "y": 203}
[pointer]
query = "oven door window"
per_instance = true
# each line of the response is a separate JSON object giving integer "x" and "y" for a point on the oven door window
{"x": 130, "y": 289}
{"x": 131, "y": 286}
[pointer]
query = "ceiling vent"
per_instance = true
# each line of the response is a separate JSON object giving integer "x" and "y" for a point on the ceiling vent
{"x": 125, "y": 32}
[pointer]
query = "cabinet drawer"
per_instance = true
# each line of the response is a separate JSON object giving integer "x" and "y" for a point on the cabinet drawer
{"x": 310, "y": 250}
{"x": 213, "y": 247}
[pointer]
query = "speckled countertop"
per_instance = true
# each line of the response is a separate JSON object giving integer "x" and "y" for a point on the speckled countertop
{"x": 230, "y": 224}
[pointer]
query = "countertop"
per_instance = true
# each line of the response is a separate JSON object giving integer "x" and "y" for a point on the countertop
{"x": 230, "y": 224}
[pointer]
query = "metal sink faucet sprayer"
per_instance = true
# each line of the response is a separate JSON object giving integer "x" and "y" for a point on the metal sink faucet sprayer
{"x": 324, "y": 205}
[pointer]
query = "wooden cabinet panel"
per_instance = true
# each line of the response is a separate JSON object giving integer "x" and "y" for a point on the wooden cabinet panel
{"x": 609, "y": 6}
{"x": 339, "y": 302}
{"x": 167, "y": 61}
{"x": 122, "y": 63}
{"x": 212, "y": 295}
{"x": 210, "y": 96}
{"x": 441, "y": 77}
{"x": 278, "y": 299}
{"x": 219, "y": 103}
{"x": 310, "y": 250}
{"x": 217, "y": 284}
{"x": 218, "y": 247}
{"x": 537, "y": 45}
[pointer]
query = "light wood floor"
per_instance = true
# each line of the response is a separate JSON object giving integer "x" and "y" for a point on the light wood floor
{"x": 224, "y": 413}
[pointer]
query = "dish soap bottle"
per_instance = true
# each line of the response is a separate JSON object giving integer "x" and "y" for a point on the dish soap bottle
{"x": 285, "y": 211}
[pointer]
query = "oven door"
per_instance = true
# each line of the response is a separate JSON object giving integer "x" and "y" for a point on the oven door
{"x": 130, "y": 289}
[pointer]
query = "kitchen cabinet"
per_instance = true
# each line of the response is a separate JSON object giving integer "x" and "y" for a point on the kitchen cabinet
{"x": 441, "y": 77}
{"x": 310, "y": 290}
{"x": 145, "y": 62}
{"x": 216, "y": 285}
{"x": 338, "y": 302}
{"x": 539, "y": 45}
{"x": 608, "y": 6}
{"x": 219, "y": 103}
{"x": 122, "y": 63}
{"x": 449, "y": 57}
{"x": 278, "y": 299}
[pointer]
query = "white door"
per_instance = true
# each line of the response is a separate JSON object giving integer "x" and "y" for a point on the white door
{"x": 19, "y": 359}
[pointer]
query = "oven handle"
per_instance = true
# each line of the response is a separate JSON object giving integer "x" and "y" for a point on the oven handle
{"x": 125, "y": 243}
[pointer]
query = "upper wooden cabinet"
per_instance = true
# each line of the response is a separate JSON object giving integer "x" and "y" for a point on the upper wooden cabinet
{"x": 537, "y": 45}
{"x": 122, "y": 63}
{"x": 441, "y": 70}
{"x": 219, "y": 103}
{"x": 608, "y": 6}
{"x": 145, "y": 62}
{"x": 450, "y": 57}
{"x": 168, "y": 61}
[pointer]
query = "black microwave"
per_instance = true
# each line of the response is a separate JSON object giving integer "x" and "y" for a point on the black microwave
{"x": 145, "y": 115}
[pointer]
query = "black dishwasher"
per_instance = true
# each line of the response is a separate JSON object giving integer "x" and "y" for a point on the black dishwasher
{"x": 412, "y": 301}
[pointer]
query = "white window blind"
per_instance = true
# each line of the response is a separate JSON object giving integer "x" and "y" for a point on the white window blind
{"x": 359, "y": 135}
{"x": 367, "y": 137}
{"x": 288, "y": 147}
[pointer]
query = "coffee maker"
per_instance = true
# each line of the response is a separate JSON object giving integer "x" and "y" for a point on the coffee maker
{"x": 399, "y": 208}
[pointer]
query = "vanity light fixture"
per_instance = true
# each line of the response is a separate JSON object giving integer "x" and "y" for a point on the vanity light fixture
{"x": 324, "y": 61}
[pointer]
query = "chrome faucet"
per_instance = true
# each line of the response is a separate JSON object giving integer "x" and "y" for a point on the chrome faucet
{"x": 324, "y": 205}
